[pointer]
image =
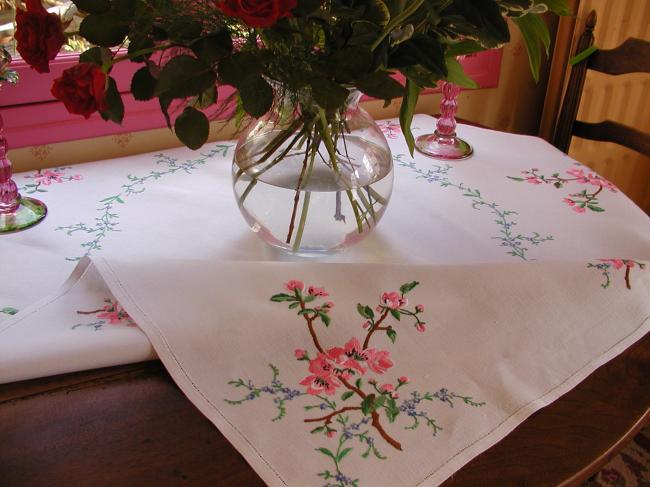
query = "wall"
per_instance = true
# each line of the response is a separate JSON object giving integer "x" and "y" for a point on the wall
{"x": 624, "y": 99}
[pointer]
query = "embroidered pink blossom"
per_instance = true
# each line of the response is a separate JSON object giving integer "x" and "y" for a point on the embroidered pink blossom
{"x": 421, "y": 327}
{"x": 329, "y": 304}
{"x": 576, "y": 173}
{"x": 300, "y": 354}
{"x": 395, "y": 395}
{"x": 419, "y": 308}
{"x": 321, "y": 384}
{"x": 317, "y": 291}
{"x": 569, "y": 201}
{"x": 393, "y": 300}
{"x": 386, "y": 388}
{"x": 533, "y": 180}
{"x": 112, "y": 317}
{"x": 321, "y": 365}
{"x": 616, "y": 263}
{"x": 596, "y": 180}
{"x": 579, "y": 209}
{"x": 403, "y": 380}
{"x": 378, "y": 361}
{"x": 47, "y": 177}
{"x": 294, "y": 284}
{"x": 347, "y": 359}
{"x": 76, "y": 177}
{"x": 330, "y": 433}
{"x": 366, "y": 325}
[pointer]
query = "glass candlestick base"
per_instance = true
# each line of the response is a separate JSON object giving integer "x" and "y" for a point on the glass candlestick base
{"x": 444, "y": 147}
{"x": 28, "y": 213}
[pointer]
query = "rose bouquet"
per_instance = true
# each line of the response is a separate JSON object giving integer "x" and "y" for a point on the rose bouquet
{"x": 298, "y": 69}
{"x": 323, "y": 47}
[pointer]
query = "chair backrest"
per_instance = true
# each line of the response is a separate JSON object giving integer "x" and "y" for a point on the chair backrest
{"x": 633, "y": 56}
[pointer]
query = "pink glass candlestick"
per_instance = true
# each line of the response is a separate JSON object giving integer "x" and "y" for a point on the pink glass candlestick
{"x": 16, "y": 212}
{"x": 443, "y": 143}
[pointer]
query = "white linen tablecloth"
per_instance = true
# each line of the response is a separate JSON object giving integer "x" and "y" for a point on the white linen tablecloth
{"x": 532, "y": 273}
{"x": 179, "y": 205}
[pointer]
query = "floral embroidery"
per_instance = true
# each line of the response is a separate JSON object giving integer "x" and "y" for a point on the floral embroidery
{"x": 108, "y": 219}
{"x": 46, "y": 177}
{"x": 123, "y": 140}
{"x": 356, "y": 370}
{"x": 390, "y": 129}
{"x": 8, "y": 310}
{"x": 606, "y": 266}
{"x": 516, "y": 243}
{"x": 281, "y": 394}
{"x": 111, "y": 313}
{"x": 583, "y": 200}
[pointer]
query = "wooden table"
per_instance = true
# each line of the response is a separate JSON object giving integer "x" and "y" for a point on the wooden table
{"x": 131, "y": 426}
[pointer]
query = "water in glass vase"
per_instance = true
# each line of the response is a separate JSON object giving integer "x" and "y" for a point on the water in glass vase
{"x": 305, "y": 206}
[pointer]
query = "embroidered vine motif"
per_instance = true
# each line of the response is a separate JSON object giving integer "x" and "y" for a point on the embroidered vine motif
{"x": 516, "y": 243}
{"x": 355, "y": 418}
{"x": 108, "y": 219}
{"x": 606, "y": 266}
{"x": 46, "y": 177}
{"x": 581, "y": 201}
{"x": 8, "y": 310}
{"x": 111, "y": 313}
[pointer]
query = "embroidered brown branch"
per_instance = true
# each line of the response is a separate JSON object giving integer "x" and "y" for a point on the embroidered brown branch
{"x": 376, "y": 422}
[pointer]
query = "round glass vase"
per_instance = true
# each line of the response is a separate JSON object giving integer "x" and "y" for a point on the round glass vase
{"x": 309, "y": 182}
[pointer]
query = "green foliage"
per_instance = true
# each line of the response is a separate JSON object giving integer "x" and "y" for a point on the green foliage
{"x": 184, "y": 76}
{"x": 315, "y": 54}
{"x": 192, "y": 128}
{"x": 407, "y": 111}
{"x": 143, "y": 84}
{"x": 536, "y": 36}
{"x": 581, "y": 56}
{"x": 115, "y": 110}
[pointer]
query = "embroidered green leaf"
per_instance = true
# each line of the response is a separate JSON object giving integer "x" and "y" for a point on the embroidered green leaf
{"x": 343, "y": 454}
{"x": 359, "y": 383}
{"x": 595, "y": 208}
{"x": 325, "y": 451}
{"x": 557, "y": 184}
{"x": 294, "y": 305}
{"x": 515, "y": 179}
{"x": 317, "y": 430}
{"x": 9, "y": 310}
{"x": 409, "y": 286}
{"x": 366, "y": 404}
{"x": 309, "y": 299}
{"x": 392, "y": 411}
{"x": 379, "y": 402}
{"x": 281, "y": 297}
{"x": 365, "y": 311}
{"x": 392, "y": 334}
{"x": 347, "y": 395}
{"x": 396, "y": 314}
{"x": 325, "y": 318}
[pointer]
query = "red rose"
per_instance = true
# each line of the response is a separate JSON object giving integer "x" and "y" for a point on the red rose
{"x": 258, "y": 13}
{"x": 39, "y": 35}
{"x": 82, "y": 89}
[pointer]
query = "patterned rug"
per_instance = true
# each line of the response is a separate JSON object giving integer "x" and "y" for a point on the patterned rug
{"x": 630, "y": 468}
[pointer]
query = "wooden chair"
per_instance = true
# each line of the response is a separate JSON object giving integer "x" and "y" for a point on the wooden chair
{"x": 633, "y": 56}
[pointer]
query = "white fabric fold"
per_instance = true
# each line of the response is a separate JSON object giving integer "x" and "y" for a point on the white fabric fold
{"x": 500, "y": 342}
